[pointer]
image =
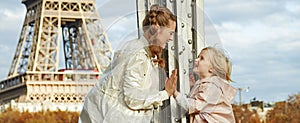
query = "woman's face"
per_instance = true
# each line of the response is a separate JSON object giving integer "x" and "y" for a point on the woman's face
{"x": 165, "y": 34}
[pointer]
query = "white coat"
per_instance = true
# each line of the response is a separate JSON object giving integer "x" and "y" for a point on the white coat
{"x": 127, "y": 91}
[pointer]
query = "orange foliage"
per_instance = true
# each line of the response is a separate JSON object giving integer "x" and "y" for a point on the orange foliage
{"x": 14, "y": 116}
{"x": 244, "y": 115}
{"x": 286, "y": 112}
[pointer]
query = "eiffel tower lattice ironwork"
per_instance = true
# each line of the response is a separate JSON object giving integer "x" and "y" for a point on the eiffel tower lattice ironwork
{"x": 34, "y": 74}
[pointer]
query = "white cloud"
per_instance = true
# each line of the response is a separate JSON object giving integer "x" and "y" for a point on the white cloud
{"x": 10, "y": 19}
{"x": 5, "y": 52}
{"x": 292, "y": 46}
{"x": 4, "y": 48}
{"x": 264, "y": 49}
{"x": 122, "y": 29}
{"x": 241, "y": 11}
{"x": 282, "y": 31}
{"x": 293, "y": 7}
{"x": 120, "y": 7}
{"x": 242, "y": 36}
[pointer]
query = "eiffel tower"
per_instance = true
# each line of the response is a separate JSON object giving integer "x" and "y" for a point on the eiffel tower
{"x": 50, "y": 28}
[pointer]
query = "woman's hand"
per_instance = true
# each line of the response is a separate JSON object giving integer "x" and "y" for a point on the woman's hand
{"x": 170, "y": 84}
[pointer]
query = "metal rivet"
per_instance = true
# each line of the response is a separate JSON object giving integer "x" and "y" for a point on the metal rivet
{"x": 176, "y": 120}
{"x": 190, "y": 41}
{"x": 190, "y": 60}
{"x": 184, "y": 71}
{"x": 172, "y": 48}
{"x": 189, "y": 15}
{"x": 193, "y": 51}
{"x": 193, "y": 28}
{"x": 182, "y": 1}
{"x": 180, "y": 52}
{"x": 171, "y": 1}
{"x": 182, "y": 25}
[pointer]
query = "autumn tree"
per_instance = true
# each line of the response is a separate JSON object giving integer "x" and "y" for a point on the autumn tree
{"x": 14, "y": 116}
{"x": 244, "y": 115}
{"x": 286, "y": 111}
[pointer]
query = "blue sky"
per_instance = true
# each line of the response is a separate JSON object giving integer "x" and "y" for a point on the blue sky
{"x": 261, "y": 36}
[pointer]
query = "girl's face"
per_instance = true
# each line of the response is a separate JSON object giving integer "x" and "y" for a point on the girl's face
{"x": 165, "y": 34}
{"x": 202, "y": 65}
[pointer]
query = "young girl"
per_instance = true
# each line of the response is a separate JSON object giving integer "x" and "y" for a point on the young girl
{"x": 211, "y": 96}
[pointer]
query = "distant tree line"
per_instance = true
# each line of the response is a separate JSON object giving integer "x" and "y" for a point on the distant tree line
{"x": 13, "y": 116}
{"x": 283, "y": 112}
{"x": 286, "y": 111}
{"x": 244, "y": 115}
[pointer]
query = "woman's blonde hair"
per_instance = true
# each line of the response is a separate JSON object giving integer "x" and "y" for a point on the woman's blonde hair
{"x": 220, "y": 63}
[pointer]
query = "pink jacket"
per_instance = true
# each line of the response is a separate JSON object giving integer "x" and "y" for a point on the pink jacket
{"x": 209, "y": 101}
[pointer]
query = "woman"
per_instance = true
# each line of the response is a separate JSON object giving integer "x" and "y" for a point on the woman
{"x": 128, "y": 91}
